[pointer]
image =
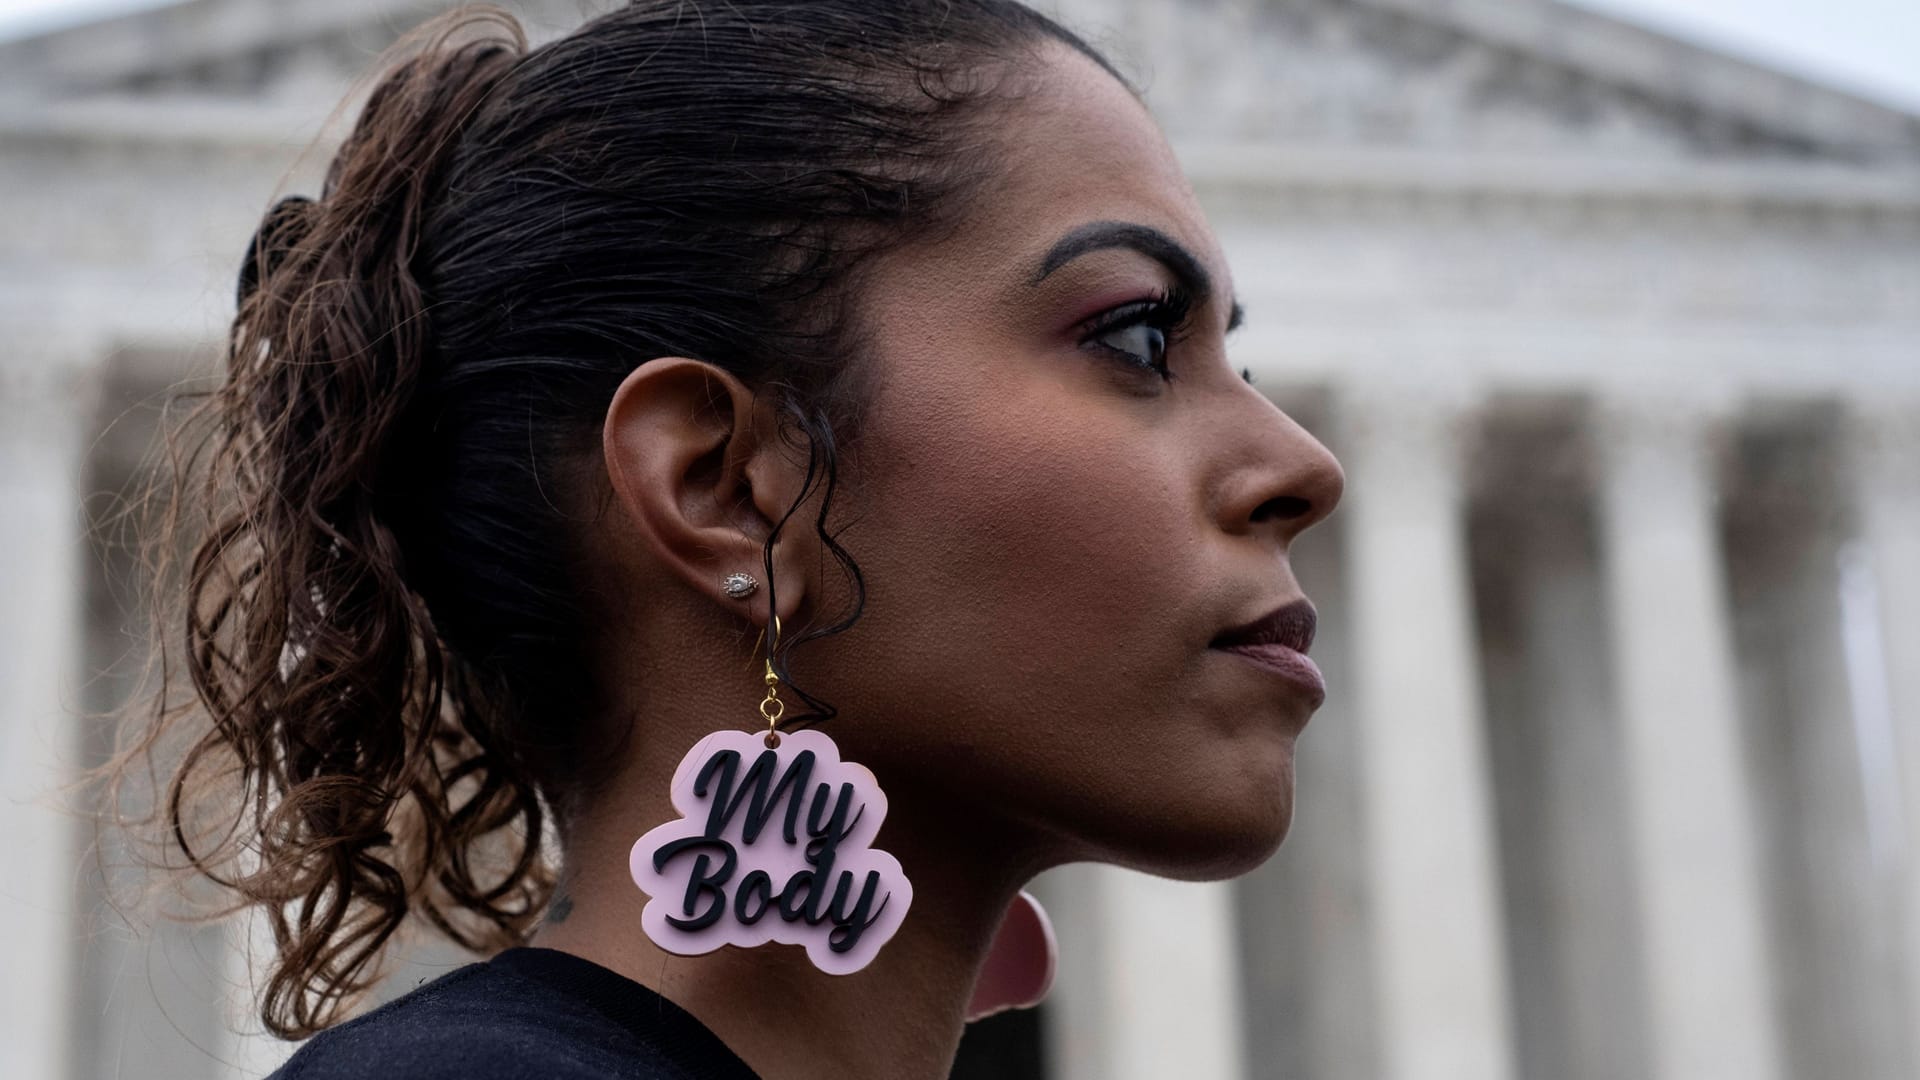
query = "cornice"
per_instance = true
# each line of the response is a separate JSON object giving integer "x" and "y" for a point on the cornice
{"x": 163, "y": 125}
{"x": 1238, "y": 169}
{"x": 1276, "y": 170}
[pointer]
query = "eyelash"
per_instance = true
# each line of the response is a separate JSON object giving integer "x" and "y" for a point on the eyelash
{"x": 1166, "y": 311}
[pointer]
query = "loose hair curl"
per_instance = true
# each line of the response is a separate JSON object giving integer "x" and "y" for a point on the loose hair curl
{"x": 383, "y": 621}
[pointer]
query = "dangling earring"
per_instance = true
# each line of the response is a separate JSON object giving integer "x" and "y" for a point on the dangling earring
{"x": 773, "y": 843}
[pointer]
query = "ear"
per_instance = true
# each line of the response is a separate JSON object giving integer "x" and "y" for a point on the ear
{"x": 701, "y": 473}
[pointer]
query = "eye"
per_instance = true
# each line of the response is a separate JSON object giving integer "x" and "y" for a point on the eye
{"x": 1142, "y": 343}
{"x": 1140, "y": 333}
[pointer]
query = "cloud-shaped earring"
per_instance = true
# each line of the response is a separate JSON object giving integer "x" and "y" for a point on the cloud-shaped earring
{"x": 773, "y": 843}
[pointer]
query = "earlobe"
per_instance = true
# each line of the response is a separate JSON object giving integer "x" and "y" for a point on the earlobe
{"x": 700, "y": 477}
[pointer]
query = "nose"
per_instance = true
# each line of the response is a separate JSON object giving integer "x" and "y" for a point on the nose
{"x": 1293, "y": 483}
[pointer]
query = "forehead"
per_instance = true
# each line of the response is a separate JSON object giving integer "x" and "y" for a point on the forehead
{"x": 1078, "y": 147}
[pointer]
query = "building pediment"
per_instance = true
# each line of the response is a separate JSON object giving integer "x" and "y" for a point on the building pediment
{"x": 1515, "y": 76}
{"x": 1459, "y": 76}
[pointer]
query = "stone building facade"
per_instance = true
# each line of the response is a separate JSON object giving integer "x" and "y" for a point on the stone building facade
{"x": 1619, "y": 341}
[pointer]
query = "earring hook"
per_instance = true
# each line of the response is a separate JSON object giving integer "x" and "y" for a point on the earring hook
{"x": 772, "y": 708}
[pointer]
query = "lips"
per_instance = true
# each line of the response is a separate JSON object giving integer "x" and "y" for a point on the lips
{"x": 1290, "y": 624}
{"x": 1278, "y": 641}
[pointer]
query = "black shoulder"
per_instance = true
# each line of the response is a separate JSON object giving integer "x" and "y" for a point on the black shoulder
{"x": 455, "y": 1028}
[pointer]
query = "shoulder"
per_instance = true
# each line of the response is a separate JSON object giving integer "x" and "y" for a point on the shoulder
{"x": 472, "y": 1024}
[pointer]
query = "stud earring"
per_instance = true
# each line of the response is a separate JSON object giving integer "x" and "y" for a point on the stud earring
{"x": 740, "y": 585}
{"x": 774, "y": 842}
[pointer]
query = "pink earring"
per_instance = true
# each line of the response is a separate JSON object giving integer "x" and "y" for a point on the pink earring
{"x": 774, "y": 842}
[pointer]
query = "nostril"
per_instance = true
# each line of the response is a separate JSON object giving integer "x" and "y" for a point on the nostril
{"x": 1283, "y": 508}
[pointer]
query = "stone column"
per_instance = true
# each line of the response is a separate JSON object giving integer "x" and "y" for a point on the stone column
{"x": 1886, "y": 460}
{"x": 1149, "y": 985}
{"x": 1430, "y": 842}
{"x": 246, "y": 1050}
{"x": 1573, "y": 942}
{"x": 1689, "y": 803}
{"x": 46, "y": 405}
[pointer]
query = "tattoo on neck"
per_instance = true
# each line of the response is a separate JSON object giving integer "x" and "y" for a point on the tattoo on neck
{"x": 560, "y": 908}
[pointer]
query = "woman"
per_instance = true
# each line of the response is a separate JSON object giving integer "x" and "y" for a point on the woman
{"x": 542, "y": 425}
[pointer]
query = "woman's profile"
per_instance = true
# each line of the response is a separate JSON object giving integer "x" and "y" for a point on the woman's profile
{"x": 700, "y": 513}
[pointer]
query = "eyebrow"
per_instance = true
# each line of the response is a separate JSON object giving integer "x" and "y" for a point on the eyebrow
{"x": 1148, "y": 241}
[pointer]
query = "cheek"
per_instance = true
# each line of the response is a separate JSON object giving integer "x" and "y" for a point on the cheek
{"x": 1035, "y": 570}
{"x": 1049, "y": 531}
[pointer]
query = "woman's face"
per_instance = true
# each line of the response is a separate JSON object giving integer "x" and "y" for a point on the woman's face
{"x": 1051, "y": 533}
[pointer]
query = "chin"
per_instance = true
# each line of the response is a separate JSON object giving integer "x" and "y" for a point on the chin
{"x": 1229, "y": 832}
{"x": 1242, "y": 844}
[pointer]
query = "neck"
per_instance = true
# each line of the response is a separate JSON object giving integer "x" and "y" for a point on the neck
{"x": 899, "y": 1018}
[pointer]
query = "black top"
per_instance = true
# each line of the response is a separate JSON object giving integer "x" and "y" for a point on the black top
{"x": 528, "y": 1012}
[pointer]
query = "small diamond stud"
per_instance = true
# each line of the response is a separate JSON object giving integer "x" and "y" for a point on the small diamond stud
{"x": 740, "y": 585}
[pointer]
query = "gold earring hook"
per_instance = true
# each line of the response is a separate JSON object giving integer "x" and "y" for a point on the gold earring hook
{"x": 772, "y": 708}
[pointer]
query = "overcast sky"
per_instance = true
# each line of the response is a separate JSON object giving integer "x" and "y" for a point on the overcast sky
{"x": 1871, "y": 47}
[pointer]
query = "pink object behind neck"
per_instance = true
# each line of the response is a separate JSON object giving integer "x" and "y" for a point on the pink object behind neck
{"x": 1020, "y": 963}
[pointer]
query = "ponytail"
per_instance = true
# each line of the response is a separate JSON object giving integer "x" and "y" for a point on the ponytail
{"x": 370, "y": 762}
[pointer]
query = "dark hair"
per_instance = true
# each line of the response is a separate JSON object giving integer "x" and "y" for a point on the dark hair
{"x": 383, "y": 621}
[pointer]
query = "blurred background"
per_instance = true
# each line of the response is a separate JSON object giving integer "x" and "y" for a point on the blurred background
{"x": 1613, "y": 318}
